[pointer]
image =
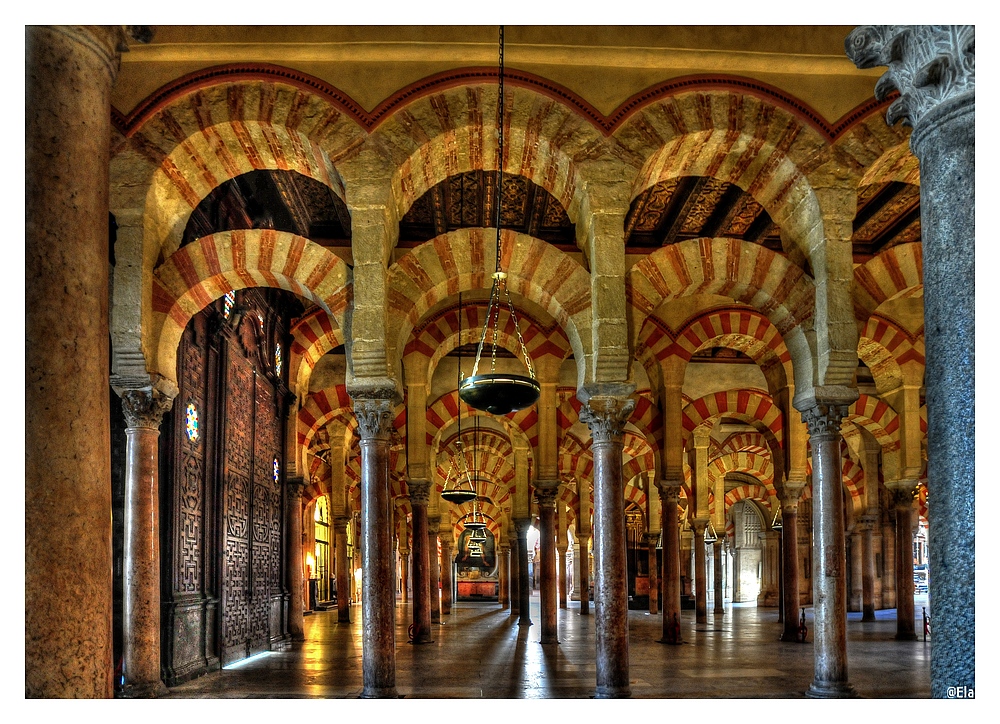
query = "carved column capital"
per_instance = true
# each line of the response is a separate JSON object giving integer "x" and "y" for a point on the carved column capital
{"x": 144, "y": 408}
{"x": 930, "y": 65}
{"x": 295, "y": 487}
{"x": 340, "y": 523}
{"x": 521, "y": 525}
{"x": 824, "y": 420}
{"x": 374, "y": 415}
{"x": 606, "y": 417}
{"x": 545, "y": 494}
{"x": 652, "y": 538}
{"x": 670, "y": 491}
{"x": 903, "y": 493}
{"x": 419, "y": 491}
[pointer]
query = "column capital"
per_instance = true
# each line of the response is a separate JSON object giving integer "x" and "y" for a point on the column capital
{"x": 521, "y": 524}
{"x": 652, "y": 538}
{"x": 823, "y": 420}
{"x": 930, "y": 65}
{"x": 545, "y": 493}
{"x": 606, "y": 416}
{"x": 903, "y": 493}
{"x": 295, "y": 486}
{"x": 340, "y": 523}
{"x": 375, "y": 414}
{"x": 433, "y": 523}
{"x": 670, "y": 490}
{"x": 419, "y": 491}
{"x": 144, "y": 408}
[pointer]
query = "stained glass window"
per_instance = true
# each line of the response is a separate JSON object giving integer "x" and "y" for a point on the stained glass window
{"x": 228, "y": 303}
{"x": 191, "y": 422}
{"x": 277, "y": 469}
{"x": 277, "y": 359}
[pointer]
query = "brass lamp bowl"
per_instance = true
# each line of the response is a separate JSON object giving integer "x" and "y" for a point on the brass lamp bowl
{"x": 499, "y": 394}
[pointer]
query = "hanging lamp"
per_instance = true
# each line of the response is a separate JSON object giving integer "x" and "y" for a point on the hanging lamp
{"x": 459, "y": 489}
{"x": 476, "y": 521}
{"x": 710, "y": 536}
{"x": 499, "y": 393}
{"x": 776, "y": 523}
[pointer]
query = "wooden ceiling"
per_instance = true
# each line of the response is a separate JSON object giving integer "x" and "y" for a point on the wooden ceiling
{"x": 669, "y": 212}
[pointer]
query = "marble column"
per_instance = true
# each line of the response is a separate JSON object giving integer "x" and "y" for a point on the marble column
{"x": 933, "y": 67}
{"x": 669, "y": 494}
{"x": 563, "y": 577}
{"x": 293, "y": 557}
{"x": 545, "y": 494}
{"x": 419, "y": 491}
{"x": 902, "y": 498}
{"x": 790, "y": 563}
{"x": 829, "y": 554}
{"x": 867, "y": 569}
{"x": 583, "y": 579}
{"x": 717, "y": 570}
{"x": 504, "y": 570}
{"x": 69, "y": 71}
{"x": 654, "y": 585}
{"x": 606, "y": 417}
{"x": 144, "y": 411}
{"x": 700, "y": 574}
{"x": 378, "y": 599}
{"x": 523, "y": 582}
{"x": 446, "y": 566}
{"x": 344, "y": 581}
{"x": 404, "y": 574}
{"x": 515, "y": 578}
{"x": 434, "y": 569}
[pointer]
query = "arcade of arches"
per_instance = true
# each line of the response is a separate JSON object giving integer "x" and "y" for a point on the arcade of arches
{"x": 743, "y": 276}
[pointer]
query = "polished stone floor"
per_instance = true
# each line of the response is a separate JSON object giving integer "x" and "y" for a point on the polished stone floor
{"x": 480, "y": 652}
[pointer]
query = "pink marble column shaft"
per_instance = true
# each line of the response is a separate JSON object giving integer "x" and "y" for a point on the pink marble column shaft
{"x": 419, "y": 491}
{"x": 293, "y": 562}
{"x": 671, "y": 563}
{"x": 546, "y": 497}
{"x": 446, "y": 564}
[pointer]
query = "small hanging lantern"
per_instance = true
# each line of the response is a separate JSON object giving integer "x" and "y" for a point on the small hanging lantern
{"x": 460, "y": 488}
{"x": 776, "y": 523}
{"x": 499, "y": 393}
{"x": 710, "y": 536}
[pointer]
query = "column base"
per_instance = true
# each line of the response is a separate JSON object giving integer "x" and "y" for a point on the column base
{"x": 792, "y": 636}
{"x": 524, "y": 622}
{"x": 549, "y": 640}
{"x": 613, "y": 692}
{"x": 379, "y": 692}
{"x": 904, "y": 636}
{"x": 831, "y": 690}
{"x": 148, "y": 690}
{"x": 868, "y": 617}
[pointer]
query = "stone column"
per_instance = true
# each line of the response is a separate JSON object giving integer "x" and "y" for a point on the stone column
{"x": 434, "y": 569}
{"x": 933, "y": 67}
{"x": 606, "y": 417}
{"x": 717, "y": 570}
{"x": 654, "y": 585}
{"x": 69, "y": 71}
{"x": 790, "y": 562}
{"x": 700, "y": 584}
{"x": 504, "y": 570}
{"x": 404, "y": 574}
{"x": 829, "y": 584}
{"x": 687, "y": 561}
{"x": 563, "y": 578}
{"x": 378, "y": 599}
{"x": 419, "y": 491}
{"x": 669, "y": 495}
{"x": 583, "y": 577}
{"x": 545, "y": 494}
{"x": 867, "y": 569}
{"x": 446, "y": 566}
{"x": 902, "y": 498}
{"x": 293, "y": 561}
{"x": 344, "y": 582}
{"x": 141, "y": 621}
{"x": 523, "y": 584}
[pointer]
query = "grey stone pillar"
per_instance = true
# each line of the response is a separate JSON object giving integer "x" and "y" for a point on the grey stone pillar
{"x": 293, "y": 558}
{"x": 717, "y": 571}
{"x": 344, "y": 580}
{"x": 378, "y": 599}
{"x": 504, "y": 570}
{"x": 606, "y": 417}
{"x": 669, "y": 494}
{"x": 545, "y": 494}
{"x": 933, "y": 67}
{"x": 867, "y": 569}
{"x": 790, "y": 562}
{"x": 523, "y": 584}
{"x": 141, "y": 620}
{"x": 69, "y": 71}
{"x": 700, "y": 574}
{"x": 903, "y": 502}
{"x": 829, "y": 584}
{"x": 419, "y": 491}
{"x": 434, "y": 569}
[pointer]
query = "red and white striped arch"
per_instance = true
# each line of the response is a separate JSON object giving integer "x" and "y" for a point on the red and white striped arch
{"x": 313, "y": 335}
{"x": 201, "y": 272}
{"x": 878, "y": 418}
{"x": 894, "y": 273}
{"x": 752, "y": 406}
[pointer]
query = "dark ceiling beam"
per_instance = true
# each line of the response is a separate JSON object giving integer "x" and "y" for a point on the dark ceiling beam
{"x": 438, "y": 209}
{"x": 758, "y": 228}
{"x": 724, "y": 212}
{"x": 681, "y": 203}
{"x": 877, "y": 203}
{"x": 897, "y": 227}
